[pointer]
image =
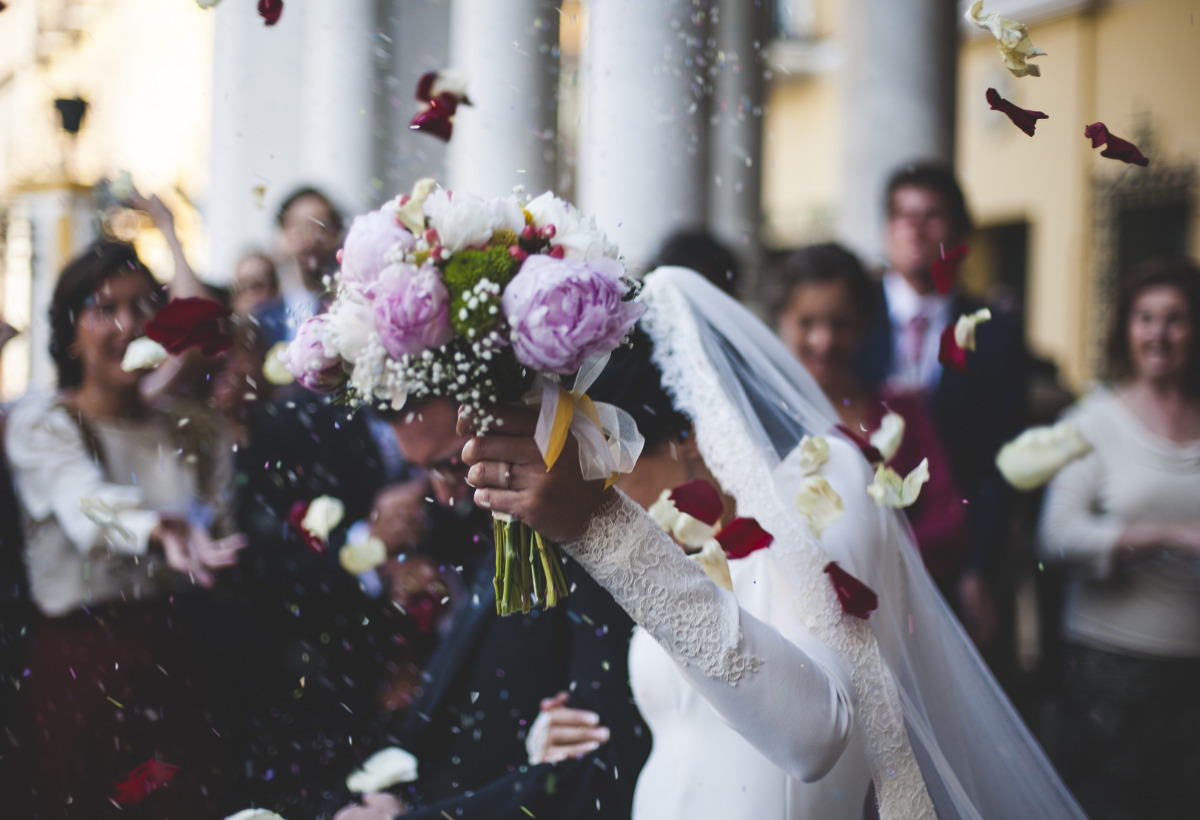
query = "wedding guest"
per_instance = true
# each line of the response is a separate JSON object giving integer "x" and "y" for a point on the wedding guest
{"x": 820, "y": 302}
{"x": 255, "y": 283}
{"x": 481, "y": 690}
{"x": 109, "y": 682}
{"x": 973, "y": 412}
{"x": 1124, "y": 521}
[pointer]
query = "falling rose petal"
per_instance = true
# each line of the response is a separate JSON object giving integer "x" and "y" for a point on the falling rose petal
{"x": 142, "y": 780}
{"x": 1034, "y": 457}
{"x": 411, "y": 213}
{"x": 269, "y": 11}
{"x": 713, "y": 561}
{"x": 186, "y": 323}
{"x": 359, "y": 556}
{"x": 1012, "y": 37}
{"x": 944, "y": 270}
{"x": 964, "y": 328}
{"x": 857, "y": 599}
{"x": 295, "y": 518}
{"x": 819, "y": 503}
{"x": 699, "y": 499}
{"x": 742, "y": 536}
{"x": 1023, "y": 118}
{"x": 382, "y": 770}
{"x": 324, "y": 513}
{"x": 870, "y": 451}
{"x": 949, "y": 352}
{"x": 889, "y": 435}
{"x": 813, "y": 452}
{"x": 440, "y": 92}
{"x": 254, "y": 814}
{"x": 1117, "y": 148}
{"x": 143, "y": 354}
{"x": 889, "y": 490}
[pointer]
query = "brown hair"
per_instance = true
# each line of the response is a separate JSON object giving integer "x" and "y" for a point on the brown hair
{"x": 818, "y": 264}
{"x": 940, "y": 180}
{"x": 1178, "y": 273}
{"x": 79, "y": 281}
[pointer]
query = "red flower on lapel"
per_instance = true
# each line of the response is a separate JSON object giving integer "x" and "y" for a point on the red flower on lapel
{"x": 1117, "y": 148}
{"x": 269, "y": 11}
{"x": 142, "y": 780}
{"x": 1023, "y": 118}
{"x": 296, "y": 520}
{"x": 856, "y": 598}
{"x": 742, "y": 536}
{"x": 949, "y": 353}
{"x": 944, "y": 270}
{"x": 187, "y": 323}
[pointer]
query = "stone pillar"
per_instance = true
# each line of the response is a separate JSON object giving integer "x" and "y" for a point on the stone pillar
{"x": 735, "y": 172}
{"x": 898, "y": 91}
{"x": 509, "y": 54}
{"x": 643, "y": 154}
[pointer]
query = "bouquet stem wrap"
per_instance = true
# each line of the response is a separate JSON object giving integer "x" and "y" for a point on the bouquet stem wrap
{"x": 529, "y": 567}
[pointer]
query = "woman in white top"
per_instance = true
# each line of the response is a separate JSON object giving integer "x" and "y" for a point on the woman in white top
{"x": 1125, "y": 521}
{"x": 118, "y": 498}
{"x": 771, "y": 701}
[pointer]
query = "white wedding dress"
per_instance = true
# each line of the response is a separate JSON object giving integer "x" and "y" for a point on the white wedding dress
{"x": 770, "y": 702}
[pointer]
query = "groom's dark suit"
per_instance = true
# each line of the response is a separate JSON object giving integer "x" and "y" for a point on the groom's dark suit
{"x": 481, "y": 693}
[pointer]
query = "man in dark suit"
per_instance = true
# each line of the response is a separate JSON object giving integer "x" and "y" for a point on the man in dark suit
{"x": 975, "y": 411}
{"x": 481, "y": 690}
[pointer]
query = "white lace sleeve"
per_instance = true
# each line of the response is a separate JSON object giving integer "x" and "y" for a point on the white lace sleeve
{"x": 791, "y": 702}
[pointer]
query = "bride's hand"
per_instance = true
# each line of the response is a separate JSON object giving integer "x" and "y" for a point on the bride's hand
{"x": 560, "y": 733}
{"x": 509, "y": 476}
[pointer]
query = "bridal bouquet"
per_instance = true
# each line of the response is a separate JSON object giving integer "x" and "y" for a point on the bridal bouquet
{"x": 484, "y": 302}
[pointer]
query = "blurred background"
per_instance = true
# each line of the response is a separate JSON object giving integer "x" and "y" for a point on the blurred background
{"x": 771, "y": 123}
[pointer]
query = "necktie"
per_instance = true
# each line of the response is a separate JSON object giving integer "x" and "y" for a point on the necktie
{"x": 913, "y": 346}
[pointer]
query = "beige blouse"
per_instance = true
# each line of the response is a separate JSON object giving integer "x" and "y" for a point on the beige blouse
{"x": 1149, "y": 605}
{"x": 149, "y": 467}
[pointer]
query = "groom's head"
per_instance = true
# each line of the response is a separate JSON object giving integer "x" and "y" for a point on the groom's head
{"x": 427, "y": 437}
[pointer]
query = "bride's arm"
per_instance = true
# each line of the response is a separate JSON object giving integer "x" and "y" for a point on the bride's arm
{"x": 790, "y": 699}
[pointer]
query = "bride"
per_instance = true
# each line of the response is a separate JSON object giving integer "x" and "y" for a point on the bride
{"x": 771, "y": 701}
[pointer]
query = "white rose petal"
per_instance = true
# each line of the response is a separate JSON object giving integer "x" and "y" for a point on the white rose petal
{"x": 254, "y": 814}
{"x": 351, "y": 323}
{"x": 813, "y": 452}
{"x": 715, "y": 564}
{"x": 889, "y": 490}
{"x": 964, "y": 328}
{"x": 324, "y": 513}
{"x": 360, "y": 556}
{"x": 449, "y": 81}
{"x": 889, "y": 435}
{"x": 383, "y": 770}
{"x": 1034, "y": 457}
{"x": 1013, "y": 38}
{"x": 818, "y": 502}
{"x": 691, "y": 531}
{"x": 275, "y": 369}
{"x": 663, "y": 511}
{"x": 462, "y": 220}
{"x": 143, "y": 353}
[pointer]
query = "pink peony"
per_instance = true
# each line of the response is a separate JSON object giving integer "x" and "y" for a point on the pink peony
{"x": 309, "y": 361}
{"x": 561, "y": 312}
{"x": 370, "y": 239}
{"x": 412, "y": 310}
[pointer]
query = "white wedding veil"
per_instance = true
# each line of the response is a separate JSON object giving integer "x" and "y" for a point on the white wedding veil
{"x": 751, "y": 402}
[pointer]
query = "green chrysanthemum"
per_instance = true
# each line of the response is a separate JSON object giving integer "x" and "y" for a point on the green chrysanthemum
{"x": 475, "y": 280}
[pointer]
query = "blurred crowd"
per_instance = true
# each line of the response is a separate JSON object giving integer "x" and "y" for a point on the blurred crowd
{"x": 203, "y": 623}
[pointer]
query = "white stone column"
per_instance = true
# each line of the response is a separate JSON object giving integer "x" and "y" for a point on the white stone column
{"x": 643, "y": 141}
{"x": 508, "y": 52}
{"x": 735, "y": 172}
{"x": 898, "y": 92}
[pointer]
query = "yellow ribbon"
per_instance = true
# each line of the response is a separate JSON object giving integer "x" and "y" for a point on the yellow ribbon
{"x": 564, "y": 414}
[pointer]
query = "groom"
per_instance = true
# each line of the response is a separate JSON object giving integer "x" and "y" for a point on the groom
{"x": 482, "y": 688}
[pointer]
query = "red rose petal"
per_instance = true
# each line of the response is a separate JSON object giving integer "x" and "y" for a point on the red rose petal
{"x": 856, "y": 598}
{"x": 870, "y": 451}
{"x": 188, "y": 323}
{"x": 1023, "y": 118}
{"x": 142, "y": 780}
{"x": 949, "y": 353}
{"x": 269, "y": 11}
{"x": 1117, "y": 148}
{"x": 700, "y": 500}
{"x": 296, "y": 520}
{"x": 435, "y": 122}
{"x": 944, "y": 271}
{"x": 425, "y": 86}
{"x": 742, "y": 536}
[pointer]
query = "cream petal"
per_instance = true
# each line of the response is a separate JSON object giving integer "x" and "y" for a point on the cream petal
{"x": 691, "y": 531}
{"x": 818, "y": 502}
{"x": 324, "y": 513}
{"x": 964, "y": 328}
{"x": 143, "y": 353}
{"x": 382, "y": 770}
{"x": 275, "y": 369}
{"x": 1034, "y": 457}
{"x": 889, "y": 490}
{"x": 889, "y": 435}
{"x": 715, "y": 564}
{"x": 359, "y": 556}
{"x": 1012, "y": 38}
{"x": 812, "y": 453}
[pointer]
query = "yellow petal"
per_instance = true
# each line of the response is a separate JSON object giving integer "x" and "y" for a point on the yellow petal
{"x": 360, "y": 556}
{"x": 1035, "y": 456}
{"x": 889, "y": 490}
{"x": 889, "y": 435}
{"x": 813, "y": 452}
{"x": 818, "y": 502}
{"x": 964, "y": 328}
{"x": 716, "y": 566}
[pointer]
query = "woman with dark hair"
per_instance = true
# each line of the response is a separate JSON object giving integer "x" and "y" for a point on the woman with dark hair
{"x": 1125, "y": 521}
{"x": 820, "y": 302}
{"x": 119, "y": 499}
